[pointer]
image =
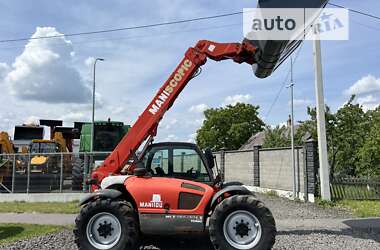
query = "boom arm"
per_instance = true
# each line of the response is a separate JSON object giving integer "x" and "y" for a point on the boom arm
{"x": 146, "y": 124}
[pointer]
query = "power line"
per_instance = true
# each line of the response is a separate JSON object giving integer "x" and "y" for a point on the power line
{"x": 283, "y": 84}
{"x": 365, "y": 25}
{"x": 158, "y": 25}
{"x": 160, "y": 34}
{"x": 355, "y": 11}
{"x": 125, "y": 28}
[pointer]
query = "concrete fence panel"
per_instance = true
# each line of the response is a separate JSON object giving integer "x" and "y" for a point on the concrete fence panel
{"x": 239, "y": 166}
{"x": 276, "y": 169}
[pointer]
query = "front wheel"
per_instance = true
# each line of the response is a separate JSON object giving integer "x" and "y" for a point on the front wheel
{"x": 106, "y": 225}
{"x": 241, "y": 222}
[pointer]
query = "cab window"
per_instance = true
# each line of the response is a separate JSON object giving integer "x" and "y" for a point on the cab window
{"x": 187, "y": 164}
{"x": 157, "y": 162}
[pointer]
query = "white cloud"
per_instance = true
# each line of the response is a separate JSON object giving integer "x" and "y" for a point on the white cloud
{"x": 44, "y": 71}
{"x": 200, "y": 108}
{"x": 368, "y": 102}
{"x": 191, "y": 138}
{"x": 118, "y": 110}
{"x": 170, "y": 125}
{"x": 89, "y": 61}
{"x": 233, "y": 100}
{"x": 171, "y": 137}
{"x": 74, "y": 116}
{"x": 366, "y": 85}
{"x": 31, "y": 120}
{"x": 4, "y": 70}
{"x": 367, "y": 90}
{"x": 367, "y": 99}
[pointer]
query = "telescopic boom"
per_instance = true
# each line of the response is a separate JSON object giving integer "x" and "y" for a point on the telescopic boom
{"x": 147, "y": 123}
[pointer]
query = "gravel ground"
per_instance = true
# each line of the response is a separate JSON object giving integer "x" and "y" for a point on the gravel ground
{"x": 294, "y": 225}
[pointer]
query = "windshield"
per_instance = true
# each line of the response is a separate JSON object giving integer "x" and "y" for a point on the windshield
{"x": 107, "y": 137}
{"x": 43, "y": 147}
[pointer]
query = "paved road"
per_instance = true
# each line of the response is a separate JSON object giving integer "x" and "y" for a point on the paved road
{"x": 299, "y": 225}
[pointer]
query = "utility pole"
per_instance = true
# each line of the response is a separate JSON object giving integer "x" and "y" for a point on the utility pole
{"x": 93, "y": 106}
{"x": 321, "y": 123}
{"x": 291, "y": 86}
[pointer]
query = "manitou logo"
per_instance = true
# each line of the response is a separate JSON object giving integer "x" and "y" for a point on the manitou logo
{"x": 154, "y": 203}
{"x": 168, "y": 90}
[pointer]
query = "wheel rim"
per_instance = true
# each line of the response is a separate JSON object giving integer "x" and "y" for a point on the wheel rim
{"x": 103, "y": 231}
{"x": 242, "y": 229}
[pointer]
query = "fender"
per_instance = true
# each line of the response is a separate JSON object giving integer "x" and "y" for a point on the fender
{"x": 232, "y": 183}
{"x": 104, "y": 193}
{"x": 231, "y": 190}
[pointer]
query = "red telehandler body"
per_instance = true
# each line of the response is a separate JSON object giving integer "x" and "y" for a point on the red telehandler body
{"x": 175, "y": 188}
{"x": 171, "y": 188}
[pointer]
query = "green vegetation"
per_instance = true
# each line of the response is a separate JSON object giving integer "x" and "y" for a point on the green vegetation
{"x": 272, "y": 193}
{"x": 39, "y": 207}
{"x": 353, "y": 139}
{"x": 229, "y": 127}
{"x": 13, "y": 232}
{"x": 361, "y": 208}
{"x": 325, "y": 204}
{"x": 280, "y": 137}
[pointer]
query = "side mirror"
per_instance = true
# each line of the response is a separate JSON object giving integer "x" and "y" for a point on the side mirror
{"x": 140, "y": 169}
{"x": 210, "y": 158}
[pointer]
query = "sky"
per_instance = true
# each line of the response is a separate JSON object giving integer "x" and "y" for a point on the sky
{"x": 52, "y": 78}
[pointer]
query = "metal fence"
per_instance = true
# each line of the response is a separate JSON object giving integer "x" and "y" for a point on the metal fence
{"x": 355, "y": 188}
{"x": 47, "y": 172}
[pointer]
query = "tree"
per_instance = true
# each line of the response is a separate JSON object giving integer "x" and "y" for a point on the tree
{"x": 276, "y": 137}
{"x": 280, "y": 136}
{"x": 346, "y": 132}
{"x": 369, "y": 154}
{"x": 229, "y": 127}
{"x": 351, "y": 128}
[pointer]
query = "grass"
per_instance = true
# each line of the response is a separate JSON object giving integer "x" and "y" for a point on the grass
{"x": 14, "y": 232}
{"x": 360, "y": 208}
{"x": 39, "y": 207}
{"x": 272, "y": 193}
{"x": 325, "y": 204}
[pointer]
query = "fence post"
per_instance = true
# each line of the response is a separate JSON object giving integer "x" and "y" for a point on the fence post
{"x": 13, "y": 173}
{"x": 305, "y": 175}
{"x": 256, "y": 165}
{"x": 222, "y": 164}
{"x": 28, "y": 175}
{"x": 311, "y": 167}
{"x": 61, "y": 175}
{"x": 298, "y": 171}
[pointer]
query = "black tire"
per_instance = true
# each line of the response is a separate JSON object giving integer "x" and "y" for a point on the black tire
{"x": 124, "y": 213}
{"x": 77, "y": 174}
{"x": 247, "y": 204}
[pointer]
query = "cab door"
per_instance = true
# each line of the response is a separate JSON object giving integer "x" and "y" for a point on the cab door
{"x": 178, "y": 161}
{"x": 170, "y": 201}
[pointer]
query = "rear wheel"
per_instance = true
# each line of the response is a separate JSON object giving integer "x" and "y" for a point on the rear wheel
{"x": 241, "y": 222}
{"x": 106, "y": 225}
{"x": 77, "y": 174}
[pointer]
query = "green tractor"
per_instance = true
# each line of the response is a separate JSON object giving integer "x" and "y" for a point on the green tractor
{"x": 107, "y": 134}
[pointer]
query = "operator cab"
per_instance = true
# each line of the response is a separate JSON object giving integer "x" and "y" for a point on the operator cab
{"x": 181, "y": 161}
